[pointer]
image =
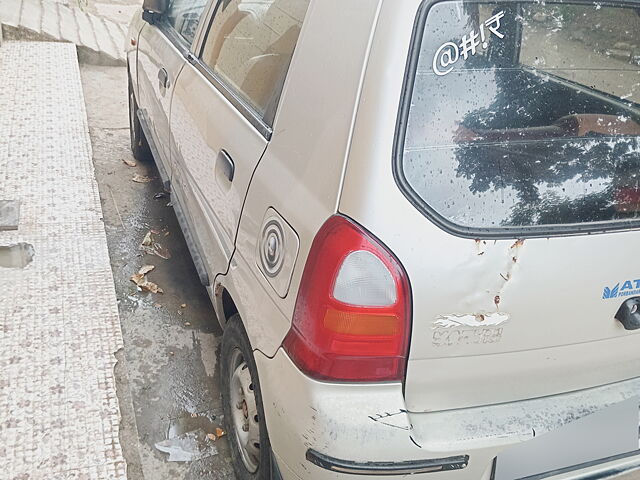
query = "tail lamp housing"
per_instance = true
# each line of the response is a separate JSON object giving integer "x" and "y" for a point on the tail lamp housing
{"x": 352, "y": 318}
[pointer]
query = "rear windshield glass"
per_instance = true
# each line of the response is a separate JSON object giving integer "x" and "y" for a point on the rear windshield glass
{"x": 525, "y": 115}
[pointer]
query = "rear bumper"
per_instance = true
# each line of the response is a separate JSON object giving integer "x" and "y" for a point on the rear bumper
{"x": 328, "y": 431}
{"x": 354, "y": 431}
{"x": 625, "y": 464}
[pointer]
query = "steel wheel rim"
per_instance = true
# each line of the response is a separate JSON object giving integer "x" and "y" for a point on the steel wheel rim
{"x": 244, "y": 412}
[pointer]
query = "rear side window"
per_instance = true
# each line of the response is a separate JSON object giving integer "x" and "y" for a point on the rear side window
{"x": 184, "y": 15}
{"x": 524, "y": 117}
{"x": 249, "y": 47}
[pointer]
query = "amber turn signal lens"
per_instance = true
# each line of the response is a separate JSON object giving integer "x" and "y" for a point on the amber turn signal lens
{"x": 350, "y": 323}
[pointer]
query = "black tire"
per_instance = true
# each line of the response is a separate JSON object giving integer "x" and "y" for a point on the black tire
{"x": 234, "y": 342}
{"x": 139, "y": 145}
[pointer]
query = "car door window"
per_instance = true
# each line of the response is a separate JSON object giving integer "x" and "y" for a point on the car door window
{"x": 184, "y": 15}
{"x": 249, "y": 48}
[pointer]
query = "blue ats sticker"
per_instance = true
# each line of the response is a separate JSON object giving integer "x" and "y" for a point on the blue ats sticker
{"x": 628, "y": 288}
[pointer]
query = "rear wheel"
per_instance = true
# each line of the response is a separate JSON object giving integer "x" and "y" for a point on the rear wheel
{"x": 242, "y": 404}
{"x": 139, "y": 144}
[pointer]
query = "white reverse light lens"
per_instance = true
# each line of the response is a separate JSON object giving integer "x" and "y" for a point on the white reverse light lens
{"x": 364, "y": 280}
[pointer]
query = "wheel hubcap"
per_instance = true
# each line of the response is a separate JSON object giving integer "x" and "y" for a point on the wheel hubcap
{"x": 244, "y": 412}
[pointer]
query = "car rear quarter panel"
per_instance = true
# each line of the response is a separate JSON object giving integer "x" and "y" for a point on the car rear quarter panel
{"x": 301, "y": 172}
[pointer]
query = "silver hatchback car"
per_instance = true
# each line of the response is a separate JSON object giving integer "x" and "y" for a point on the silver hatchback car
{"x": 417, "y": 221}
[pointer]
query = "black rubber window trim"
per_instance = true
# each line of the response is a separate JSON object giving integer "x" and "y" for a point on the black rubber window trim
{"x": 169, "y": 31}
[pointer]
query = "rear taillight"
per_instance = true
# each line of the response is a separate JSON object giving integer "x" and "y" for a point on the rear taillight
{"x": 352, "y": 318}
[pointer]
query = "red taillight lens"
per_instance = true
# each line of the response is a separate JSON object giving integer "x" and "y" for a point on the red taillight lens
{"x": 353, "y": 313}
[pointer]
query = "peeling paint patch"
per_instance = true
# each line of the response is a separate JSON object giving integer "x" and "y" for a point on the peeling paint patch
{"x": 470, "y": 320}
{"x": 468, "y": 329}
{"x": 481, "y": 246}
{"x": 518, "y": 243}
{"x": 450, "y": 337}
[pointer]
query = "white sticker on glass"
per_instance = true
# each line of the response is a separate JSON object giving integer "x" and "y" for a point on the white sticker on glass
{"x": 449, "y": 53}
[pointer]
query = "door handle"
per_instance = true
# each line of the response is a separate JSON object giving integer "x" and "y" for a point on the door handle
{"x": 163, "y": 78}
{"x": 225, "y": 165}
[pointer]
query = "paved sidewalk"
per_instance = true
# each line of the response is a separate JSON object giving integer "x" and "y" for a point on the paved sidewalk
{"x": 59, "y": 326}
{"x": 169, "y": 363}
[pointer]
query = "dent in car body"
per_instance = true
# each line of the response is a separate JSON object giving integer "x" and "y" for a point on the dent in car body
{"x": 483, "y": 323}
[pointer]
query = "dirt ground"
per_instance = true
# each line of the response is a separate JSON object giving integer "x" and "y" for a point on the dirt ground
{"x": 167, "y": 374}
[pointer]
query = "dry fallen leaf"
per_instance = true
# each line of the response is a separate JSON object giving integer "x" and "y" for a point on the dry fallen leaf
{"x": 150, "y": 287}
{"x": 144, "y": 284}
{"x": 220, "y": 432}
{"x": 142, "y": 178}
{"x": 146, "y": 269}
{"x": 146, "y": 241}
{"x": 151, "y": 247}
{"x": 158, "y": 250}
{"x": 129, "y": 162}
{"x": 141, "y": 281}
{"x": 211, "y": 437}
